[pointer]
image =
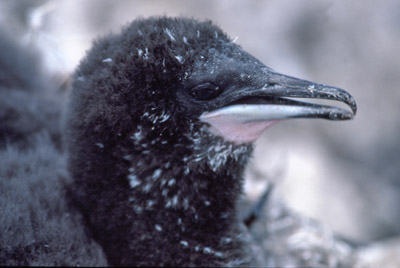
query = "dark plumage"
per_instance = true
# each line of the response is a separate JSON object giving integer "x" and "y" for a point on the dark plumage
{"x": 36, "y": 226}
{"x": 27, "y": 103}
{"x": 141, "y": 176}
{"x": 158, "y": 185}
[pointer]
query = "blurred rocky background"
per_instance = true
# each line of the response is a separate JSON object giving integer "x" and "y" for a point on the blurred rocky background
{"x": 346, "y": 175}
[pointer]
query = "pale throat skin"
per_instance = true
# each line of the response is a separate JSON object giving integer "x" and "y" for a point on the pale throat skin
{"x": 159, "y": 136}
{"x": 240, "y": 133}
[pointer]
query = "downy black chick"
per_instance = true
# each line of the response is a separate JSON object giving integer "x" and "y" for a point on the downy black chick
{"x": 36, "y": 226}
{"x": 160, "y": 129}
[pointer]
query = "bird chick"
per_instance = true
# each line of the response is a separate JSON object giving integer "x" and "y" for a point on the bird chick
{"x": 160, "y": 129}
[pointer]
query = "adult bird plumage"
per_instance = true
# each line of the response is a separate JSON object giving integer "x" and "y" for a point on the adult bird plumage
{"x": 160, "y": 129}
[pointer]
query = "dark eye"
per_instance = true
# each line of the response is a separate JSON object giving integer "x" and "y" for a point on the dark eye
{"x": 206, "y": 91}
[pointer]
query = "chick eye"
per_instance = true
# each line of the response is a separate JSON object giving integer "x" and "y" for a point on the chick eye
{"x": 206, "y": 91}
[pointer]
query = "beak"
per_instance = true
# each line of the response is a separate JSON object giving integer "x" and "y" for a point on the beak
{"x": 256, "y": 108}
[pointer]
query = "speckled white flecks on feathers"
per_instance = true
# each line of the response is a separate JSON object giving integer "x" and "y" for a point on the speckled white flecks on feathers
{"x": 180, "y": 59}
{"x": 133, "y": 180}
{"x": 216, "y": 155}
{"x": 158, "y": 228}
{"x": 100, "y": 145}
{"x": 170, "y": 35}
{"x": 161, "y": 181}
{"x": 144, "y": 54}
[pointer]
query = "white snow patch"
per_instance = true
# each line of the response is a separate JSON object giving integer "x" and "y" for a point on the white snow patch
{"x": 107, "y": 60}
